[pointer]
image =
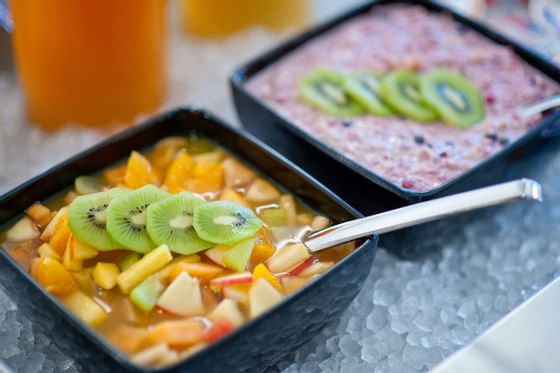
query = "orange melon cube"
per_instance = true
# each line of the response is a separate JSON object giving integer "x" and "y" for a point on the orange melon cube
{"x": 39, "y": 213}
{"x": 177, "y": 334}
{"x": 61, "y": 235}
{"x": 229, "y": 194}
{"x": 114, "y": 176}
{"x": 261, "y": 252}
{"x": 204, "y": 271}
{"x": 206, "y": 177}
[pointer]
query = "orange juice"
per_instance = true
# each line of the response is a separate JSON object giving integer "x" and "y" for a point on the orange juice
{"x": 215, "y": 18}
{"x": 89, "y": 61}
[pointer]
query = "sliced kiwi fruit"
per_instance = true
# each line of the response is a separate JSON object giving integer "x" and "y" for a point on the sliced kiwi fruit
{"x": 170, "y": 222}
{"x": 400, "y": 89}
{"x": 225, "y": 222}
{"x": 87, "y": 218}
{"x": 323, "y": 89}
{"x": 126, "y": 218}
{"x": 453, "y": 96}
{"x": 363, "y": 87}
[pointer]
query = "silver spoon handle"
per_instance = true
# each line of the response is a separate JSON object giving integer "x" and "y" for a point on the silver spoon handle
{"x": 423, "y": 212}
{"x": 540, "y": 106}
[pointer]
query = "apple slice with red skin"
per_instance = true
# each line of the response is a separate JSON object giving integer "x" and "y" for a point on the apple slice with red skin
{"x": 216, "y": 254}
{"x": 301, "y": 267}
{"x": 233, "y": 279}
{"x": 287, "y": 258}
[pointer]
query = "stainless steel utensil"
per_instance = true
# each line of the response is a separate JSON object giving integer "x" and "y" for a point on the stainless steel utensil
{"x": 423, "y": 212}
{"x": 541, "y": 106}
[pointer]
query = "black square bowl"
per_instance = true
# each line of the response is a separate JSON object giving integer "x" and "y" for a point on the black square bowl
{"x": 261, "y": 342}
{"x": 360, "y": 187}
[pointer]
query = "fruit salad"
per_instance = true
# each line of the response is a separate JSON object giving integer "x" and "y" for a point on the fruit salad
{"x": 170, "y": 251}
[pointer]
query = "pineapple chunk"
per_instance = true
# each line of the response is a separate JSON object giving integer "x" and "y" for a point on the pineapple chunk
{"x": 182, "y": 297}
{"x": 24, "y": 230}
{"x": 261, "y": 191}
{"x": 82, "y": 251}
{"x": 227, "y": 310}
{"x": 128, "y": 260}
{"x": 84, "y": 307}
{"x": 83, "y": 278}
{"x": 105, "y": 275}
{"x": 236, "y": 174}
{"x": 69, "y": 263}
{"x": 287, "y": 257}
{"x": 46, "y": 251}
{"x": 262, "y": 296}
{"x": 148, "y": 265}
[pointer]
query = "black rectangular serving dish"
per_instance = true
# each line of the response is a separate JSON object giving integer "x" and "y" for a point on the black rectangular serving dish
{"x": 362, "y": 188}
{"x": 260, "y": 343}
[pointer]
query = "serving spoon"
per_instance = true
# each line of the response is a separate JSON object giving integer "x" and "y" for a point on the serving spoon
{"x": 422, "y": 212}
{"x": 541, "y": 106}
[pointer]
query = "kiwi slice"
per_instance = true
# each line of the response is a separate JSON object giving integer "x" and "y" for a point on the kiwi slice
{"x": 225, "y": 222}
{"x": 324, "y": 90}
{"x": 126, "y": 218}
{"x": 87, "y": 218}
{"x": 170, "y": 222}
{"x": 363, "y": 87}
{"x": 401, "y": 90}
{"x": 453, "y": 96}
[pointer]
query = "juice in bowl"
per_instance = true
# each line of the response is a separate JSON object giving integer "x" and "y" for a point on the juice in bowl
{"x": 170, "y": 251}
{"x": 89, "y": 62}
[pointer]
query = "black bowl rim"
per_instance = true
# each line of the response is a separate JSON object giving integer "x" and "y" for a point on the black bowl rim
{"x": 368, "y": 243}
{"x": 242, "y": 74}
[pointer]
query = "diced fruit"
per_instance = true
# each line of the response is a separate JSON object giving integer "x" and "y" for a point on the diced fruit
{"x": 87, "y": 185}
{"x": 261, "y": 191}
{"x": 80, "y": 250}
{"x": 213, "y": 157}
{"x": 238, "y": 256}
{"x": 151, "y": 355}
{"x": 115, "y": 176}
{"x": 105, "y": 275}
{"x": 274, "y": 217}
{"x": 227, "y": 310}
{"x": 23, "y": 255}
{"x": 209, "y": 298}
{"x": 288, "y": 204}
{"x": 165, "y": 151}
{"x": 52, "y": 275}
{"x": 233, "y": 279}
{"x": 261, "y": 252}
{"x": 68, "y": 263}
{"x": 168, "y": 269}
{"x": 262, "y": 296}
{"x": 206, "y": 177}
{"x": 46, "y": 251}
{"x": 316, "y": 269}
{"x": 128, "y": 260}
{"x": 84, "y": 307}
{"x": 238, "y": 293}
{"x": 261, "y": 271}
{"x": 148, "y": 265}
{"x": 193, "y": 350}
{"x": 40, "y": 214}
{"x": 320, "y": 222}
{"x": 218, "y": 330}
{"x": 61, "y": 235}
{"x": 128, "y": 338}
{"x": 83, "y": 279}
{"x": 69, "y": 197}
{"x": 167, "y": 359}
{"x": 236, "y": 174}
{"x": 199, "y": 270}
{"x": 177, "y": 334}
{"x": 51, "y": 227}
{"x": 139, "y": 172}
{"x": 182, "y": 297}
{"x": 178, "y": 173}
{"x": 301, "y": 267}
{"x": 293, "y": 283}
{"x": 304, "y": 218}
{"x": 231, "y": 195}
{"x": 145, "y": 295}
{"x": 216, "y": 254}
{"x": 287, "y": 257}
{"x": 24, "y": 230}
